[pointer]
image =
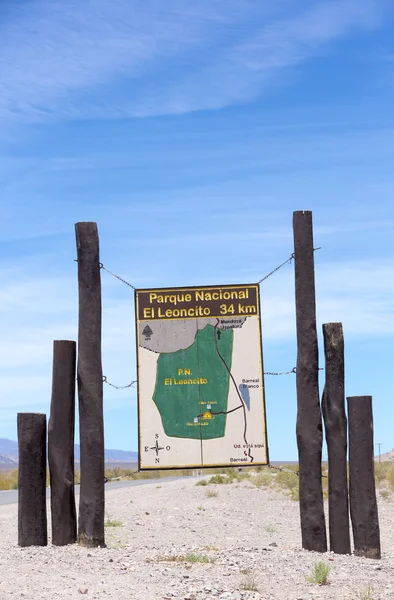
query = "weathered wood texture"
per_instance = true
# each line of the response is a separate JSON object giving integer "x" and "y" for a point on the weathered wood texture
{"x": 309, "y": 421}
{"x": 90, "y": 388}
{"x": 61, "y": 444}
{"x": 362, "y": 493}
{"x": 336, "y": 436}
{"x": 32, "y": 515}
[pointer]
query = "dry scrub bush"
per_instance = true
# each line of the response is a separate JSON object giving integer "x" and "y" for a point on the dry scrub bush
{"x": 190, "y": 557}
{"x": 220, "y": 479}
{"x": 384, "y": 477}
{"x": 9, "y": 480}
{"x": 288, "y": 481}
{"x": 249, "y": 584}
{"x": 367, "y": 593}
{"x": 319, "y": 574}
{"x": 262, "y": 480}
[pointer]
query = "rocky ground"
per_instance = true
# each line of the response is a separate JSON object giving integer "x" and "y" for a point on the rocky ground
{"x": 180, "y": 541}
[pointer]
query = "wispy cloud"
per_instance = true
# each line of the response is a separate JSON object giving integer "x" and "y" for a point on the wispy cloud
{"x": 358, "y": 293}
{"x": 100, "y": 59}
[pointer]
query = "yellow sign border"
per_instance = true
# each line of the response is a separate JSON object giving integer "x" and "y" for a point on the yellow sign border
{"x": 139, "y": 407}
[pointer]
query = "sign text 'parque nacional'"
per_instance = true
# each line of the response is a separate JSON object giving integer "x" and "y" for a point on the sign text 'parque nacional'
{"x": 200, "y": 377}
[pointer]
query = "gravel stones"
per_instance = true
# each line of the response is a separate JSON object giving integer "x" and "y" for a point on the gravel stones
{"x": 173, "y": 545}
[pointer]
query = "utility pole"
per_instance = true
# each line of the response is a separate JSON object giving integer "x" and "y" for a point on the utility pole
{"x": 379, "y": 444}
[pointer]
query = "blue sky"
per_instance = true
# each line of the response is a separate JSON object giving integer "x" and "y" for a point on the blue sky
{"x": 190, "y": 131}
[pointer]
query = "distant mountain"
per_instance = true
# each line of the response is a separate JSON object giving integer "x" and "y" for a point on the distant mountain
{"x": 112, "y": 455}
{"x": 8, "y": 447}
{"x": 388, "y": 456}
{"x": 9, "y": 453}
{"x": 6, "y": 461}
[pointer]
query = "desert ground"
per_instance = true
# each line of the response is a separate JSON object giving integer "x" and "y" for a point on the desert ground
{"x": 179, "y": 540}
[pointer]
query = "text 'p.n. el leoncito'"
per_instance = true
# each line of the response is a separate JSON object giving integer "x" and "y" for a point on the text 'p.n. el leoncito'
{"x": 191, "y": 303}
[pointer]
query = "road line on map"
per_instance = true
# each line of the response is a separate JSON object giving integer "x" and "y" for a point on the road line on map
{"x": 236, "y": 387}
{"x": 199, "y": 396}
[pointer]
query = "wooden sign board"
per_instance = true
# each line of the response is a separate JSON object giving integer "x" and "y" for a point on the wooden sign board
{"x": 200, "y": 377}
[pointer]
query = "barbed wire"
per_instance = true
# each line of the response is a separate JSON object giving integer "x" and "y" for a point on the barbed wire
{"x": 287, "y": 261}
{"x": 273, "y": 373}
{"x": 117, "y": 276}
{"x": 118, "y": 387}
{"x": 132, "y": 383}
{"x": 293, "y": 370}
{"x": 285, "y": 470}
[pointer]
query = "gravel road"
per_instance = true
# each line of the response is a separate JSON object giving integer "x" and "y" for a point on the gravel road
{"x": 249, "y": 538}
{"x": 11, "y": 496}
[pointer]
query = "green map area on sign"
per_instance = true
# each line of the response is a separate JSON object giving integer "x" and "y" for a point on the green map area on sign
{"x": 193, "y": 384}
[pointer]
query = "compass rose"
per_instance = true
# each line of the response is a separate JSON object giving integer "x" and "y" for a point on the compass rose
{"x": 157, "y": 448}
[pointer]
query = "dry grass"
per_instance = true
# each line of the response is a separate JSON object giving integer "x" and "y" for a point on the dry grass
{"x": 263, "y": 480}
{"x": 319, "y": 575}
{"x": 112, "y": 522}
{"x": 190, "y": 557}
{"x": 249, "y": 584}
{"x": 9, "y": 480}
{"x": 384, "y": 476}
{"x": 367, "y": 593}
{"x": 289, "y": 481}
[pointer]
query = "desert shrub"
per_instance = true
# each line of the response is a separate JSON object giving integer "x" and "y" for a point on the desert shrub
{"x": 390, "y": 476}
{"x": 382, "y": 472}
{"x": 220, "y": 479}
{"x": 9, "y": 480}
{"x": 249, "y": 584}
{"x": 385, "y": 493}
{"x": 112, "y": 522}
{"x": 193, "y": 557}
{"x": 367, "y": 593}
{"x": 319, "y": 574}
{"x": 262, "y": 479}
{"x": 286, "y": 480}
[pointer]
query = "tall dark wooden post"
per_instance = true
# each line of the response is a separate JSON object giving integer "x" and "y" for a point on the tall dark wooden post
{"x": 32, "y": 513}
{"x": 336, "y": 435}
{"x": 309, "y": 422}
{"x": 90, "y": 388}
{"x": 61, "y": 444}
{"x": 362, "y": 493}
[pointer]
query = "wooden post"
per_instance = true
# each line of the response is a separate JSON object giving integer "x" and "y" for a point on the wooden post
{"x": 90, "y": 388}
{"x": 61, "y": 444}
{"x": 32, "y": 514}
{"x": 362, "y": 493}
{"x": 309, "y": 422}
{"x": 336, "y": 435}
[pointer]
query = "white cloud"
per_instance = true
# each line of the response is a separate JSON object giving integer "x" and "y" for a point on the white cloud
{"x": 357, "y": 293}
{"x": 360, "y": 294}
{"x": 100, "y": 59}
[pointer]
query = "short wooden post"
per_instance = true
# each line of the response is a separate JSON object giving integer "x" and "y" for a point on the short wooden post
{"x": 362, "y": 493}
{"x": 61, "y": 444}
{"x": 90, "y": 388}
{"x": 309, "y": 421}
{"x": 336, "y": 435}
{"x": 32, "y": 514}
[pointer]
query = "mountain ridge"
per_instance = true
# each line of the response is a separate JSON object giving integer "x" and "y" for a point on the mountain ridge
{"x": 9, "y": 453}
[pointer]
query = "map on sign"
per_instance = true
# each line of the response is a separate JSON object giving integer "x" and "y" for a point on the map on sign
{"x": 200, "y": 377}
